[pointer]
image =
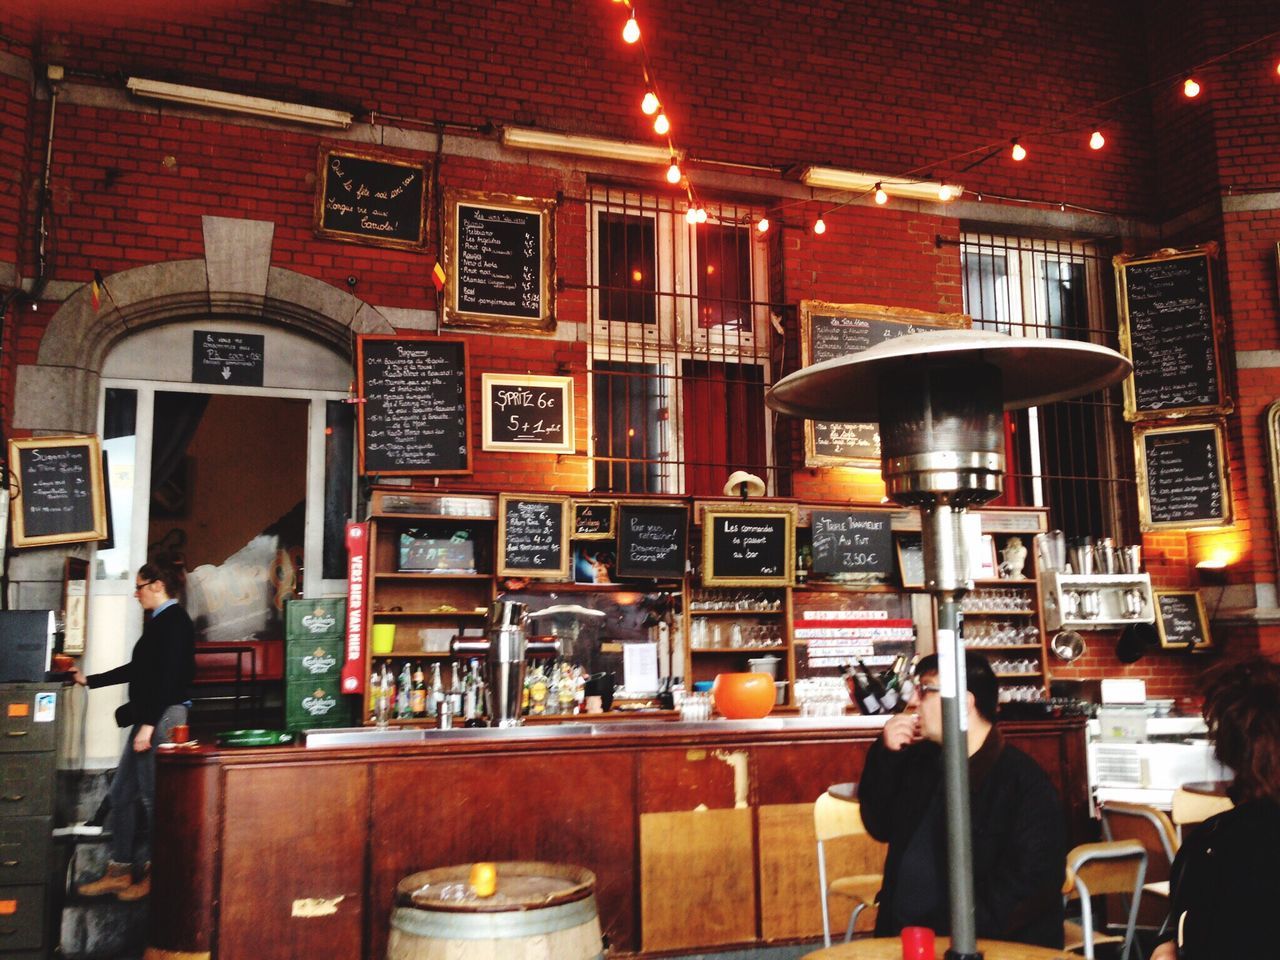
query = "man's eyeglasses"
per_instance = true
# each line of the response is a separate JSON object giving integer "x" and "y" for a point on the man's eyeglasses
{"x": 927, "y": 688}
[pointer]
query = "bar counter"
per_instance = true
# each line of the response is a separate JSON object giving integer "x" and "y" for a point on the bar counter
{"x": 700, "y": 834}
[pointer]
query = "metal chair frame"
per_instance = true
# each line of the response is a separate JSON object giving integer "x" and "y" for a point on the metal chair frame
{"x": 1078, "y": 859}
{"x": 834, "y": 818}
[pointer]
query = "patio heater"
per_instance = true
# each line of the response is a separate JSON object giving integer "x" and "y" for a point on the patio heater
{"x": 939, "y": 399}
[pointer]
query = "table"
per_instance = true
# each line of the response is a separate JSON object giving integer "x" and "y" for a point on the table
{"x": 843, "y": 791}
{"x": 890, "y": 948}
{"x": 1208, "y": 788}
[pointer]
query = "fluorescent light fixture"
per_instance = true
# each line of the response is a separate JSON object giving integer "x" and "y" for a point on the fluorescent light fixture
{"x": 528, "y": 139}
{"x": 855, "y": 181}
{"x": 238, "y": 103}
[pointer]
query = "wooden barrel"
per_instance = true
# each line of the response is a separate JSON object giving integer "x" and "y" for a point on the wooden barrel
{"x": 541, "y": 911}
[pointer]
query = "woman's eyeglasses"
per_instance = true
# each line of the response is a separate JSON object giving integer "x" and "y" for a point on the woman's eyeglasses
{"x": 138, "y": 587}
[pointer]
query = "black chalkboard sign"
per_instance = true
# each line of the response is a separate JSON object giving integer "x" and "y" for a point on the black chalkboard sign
{"x": 498, "y": 260}
{"x": 593, "y": 519}
{"x": 1182, "y": 477}
{"x": 1168, "y": 329}
{"x": 530, "y": 414}
{"x": 371, "y": 198}
{"x": 533, "y": 536}
{"x": 58, "y": 494}
{"x": 653, "y": 540}
{"x": 852, "y": 542}
{"x": 236, "y": 359}
{"x": 747, "y": 548}
{"x": 413, "y": 405}
{"x": 1181, "y": 620}
{"x": 830, "y": 330}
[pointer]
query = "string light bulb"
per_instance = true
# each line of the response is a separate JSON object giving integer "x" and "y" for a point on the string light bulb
{"x": 673, "y": 172}
{"x": 1190, "y": 88}
{"x": 881, "y": 197}
{"x": 762, "y": 225}
{"x": 819, "y": 225}
{"x": 946, "y": 192}
{"x": 701, "y": 215}
{"x": 649, "y": 105}
{"x": 1097, "y": 140}
{"x": 691, "y": 215}
{"x": 661, "y": 125}
{"x": 1019, "y": 152}
{"x": 631, "y": 32}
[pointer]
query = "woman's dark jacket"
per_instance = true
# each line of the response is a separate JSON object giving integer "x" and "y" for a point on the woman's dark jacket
{"x": 160, "y": 671}
{"x": 1224, "y": 881}
{"x": 1019, "y": 846}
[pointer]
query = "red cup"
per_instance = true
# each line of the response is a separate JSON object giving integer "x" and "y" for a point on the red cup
{"x": 917, "y": 943}
{"x": 180, "y": 733}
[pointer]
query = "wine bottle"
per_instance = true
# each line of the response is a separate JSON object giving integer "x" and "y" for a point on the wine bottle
{"x": 891, "y": 680}
{"x": 864, "y": 695}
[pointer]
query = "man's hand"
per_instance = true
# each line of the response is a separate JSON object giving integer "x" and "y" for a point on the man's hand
{"x": 1166, "y": 951}
{"x": 902, "y": 730}
{"x": 142, "y": 739}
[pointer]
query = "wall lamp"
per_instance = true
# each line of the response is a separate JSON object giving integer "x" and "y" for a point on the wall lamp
{"x": 238, "y": 103}
{"x": 526, "y": 138}
{"x": 834, "y": 178}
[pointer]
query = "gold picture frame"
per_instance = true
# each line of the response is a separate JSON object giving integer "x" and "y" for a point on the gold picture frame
{"x": 60, "y": 521}
{"x": 1221, "y": 479}
{"x": 1184, "y": 599}
{"x": 529, "y": 393}
{"x": 357, "y": 196}
{"x": 558, "y": 572}
{"x": 598, "y": 508}
{"x": 713, "y": 513}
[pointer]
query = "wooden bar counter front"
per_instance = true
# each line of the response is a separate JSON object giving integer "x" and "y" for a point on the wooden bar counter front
{"x": 700, "y": 834}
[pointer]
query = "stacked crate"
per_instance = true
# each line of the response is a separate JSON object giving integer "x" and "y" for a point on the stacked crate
{"x": 313, "y": 663}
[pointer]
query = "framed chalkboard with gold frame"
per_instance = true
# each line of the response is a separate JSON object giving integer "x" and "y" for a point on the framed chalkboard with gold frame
{"x": 751, "y": 547}
{"x": 57, "y": 490}
{"x": 368, "y": 196}
{"x": 1181, "y": 620}
{"x": 1183, "y": 476}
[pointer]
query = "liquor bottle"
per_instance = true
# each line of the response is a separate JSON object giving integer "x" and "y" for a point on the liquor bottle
{"x": 382, "y": 689}
{"x": 473, "y": 697}
{"x": 437, "y": 692}
{"x": 565, "y": 690}
{"x": 455, "y": 691}
{"x": 403, "y": 709}
{"x": 418, "y": 696}
{"x": 863, "y": 694}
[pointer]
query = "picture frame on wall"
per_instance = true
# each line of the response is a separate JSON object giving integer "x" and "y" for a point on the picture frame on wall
{"x": 526, "y": 414}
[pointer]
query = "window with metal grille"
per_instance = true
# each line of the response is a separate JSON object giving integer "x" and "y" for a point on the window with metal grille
{"x": 679, "y": 341}
{"x": 1073, "y": 456}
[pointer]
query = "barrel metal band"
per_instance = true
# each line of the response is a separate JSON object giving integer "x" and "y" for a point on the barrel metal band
{"x": 505, "y": 925}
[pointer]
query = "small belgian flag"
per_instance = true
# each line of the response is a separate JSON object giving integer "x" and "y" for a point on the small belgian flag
{"x": 95, "y": 290}
{"x": 437, "y": 276}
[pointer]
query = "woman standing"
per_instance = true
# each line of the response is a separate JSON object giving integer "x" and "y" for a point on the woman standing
{"x": 159, "y": 675}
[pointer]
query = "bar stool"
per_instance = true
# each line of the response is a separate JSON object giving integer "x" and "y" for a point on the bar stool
{"x": 834, "y": 818}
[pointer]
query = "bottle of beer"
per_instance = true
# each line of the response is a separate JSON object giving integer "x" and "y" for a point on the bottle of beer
{"x": 418, "y": 696}
{"x": 455, "y": 691}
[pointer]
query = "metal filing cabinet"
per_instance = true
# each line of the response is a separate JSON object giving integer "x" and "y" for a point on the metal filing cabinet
{"x": 30, "y": 715}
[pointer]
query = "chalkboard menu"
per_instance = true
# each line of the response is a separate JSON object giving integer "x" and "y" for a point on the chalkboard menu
{"x": 58, "y": 494}
{"x": 529, "y": 414}
{"x": 1181, "y": 620}
{"x": 593, "y": 519}
{"x": 413, "y": 405}
{"x": 1168, "y": 329}
{"x": 748, "y": 548}
{"x": 653, "y": 540}
{"x": 852, "y": 542}
{"x": 236, "y": 359}
{"x": 371, "y": 198}
{"x": 1182, "y": 477}
{"x": 533, "y": 536}
{"x": 830, "y": 330}
{"x": 499, "y": 252}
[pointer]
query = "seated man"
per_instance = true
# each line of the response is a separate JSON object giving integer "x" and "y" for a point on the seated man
{"x": 1019, "y": 845}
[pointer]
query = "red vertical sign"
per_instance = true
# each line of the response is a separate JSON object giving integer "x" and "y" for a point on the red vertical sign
{"x": 357, "y": 590}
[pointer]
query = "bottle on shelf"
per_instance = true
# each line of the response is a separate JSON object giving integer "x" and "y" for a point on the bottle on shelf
{"x": 403, "y": 710}
{"x": 864, "y": 694}
{"x": 418, "y": 695}
{"x": 437, "y": 692}
{"x": 382, "y": 689}
{"x": 891, "y": 681}
{"x": 455, "y": 690}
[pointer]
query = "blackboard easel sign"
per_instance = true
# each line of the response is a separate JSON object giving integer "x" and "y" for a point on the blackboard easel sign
{"x": 653, "y": 540}
{"x": 533, "y": 536}
{"x": 852, "y": 543}
{"x": 57, "y": 489}
{"x": 830, "y": 330}
{"x": 499, "y": 259}
{"x": 593, "y": 519}
{"x": 748, "y": 547}
{"x": 1169, "y": 329}
{"x": 413, "y": 405}
{"x": 526, "y": 414}
{"x": 1182, "y": 476}
{"x": 371, "y": 197}
{"x": 1181, "y": 620}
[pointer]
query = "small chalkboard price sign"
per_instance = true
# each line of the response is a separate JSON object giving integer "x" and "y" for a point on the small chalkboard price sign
{"x": 852, "y": 543}
{"x": 1169, "y": 329}
{"x": 593, "y": 519}
{"x": 533, "y": 536}
{"x": 232, "y": 359}
{"x": 57, "y": 489}
{"x": 1182, "y": 477}
{"x": 370, "y": 197}
{"x": 830, "y": 330}
{"x": 653, "y": 540}
{"x": 748, "y": 548}
{"x": 499, "y": 258}
{"x": 1181, "y": 620}
{"x": 910, "y": 549}
{"x": 413, "y": 405}
{"x": 527, "y": 414}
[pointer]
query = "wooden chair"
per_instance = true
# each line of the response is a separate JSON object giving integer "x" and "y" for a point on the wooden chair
{"x": 1093, "y": 869}
{"x": 1152, "y": 828}
{"x": 1190, "y": 807}
{"x": 833, "y": 818}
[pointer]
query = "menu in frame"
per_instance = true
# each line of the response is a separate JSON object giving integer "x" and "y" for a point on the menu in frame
{"x": 1182, "y": 476}
{"x": 533, "y": 538}
{"x": 748, "y": 548}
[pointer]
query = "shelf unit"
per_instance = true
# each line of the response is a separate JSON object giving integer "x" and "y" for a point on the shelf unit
{"x": 1112, "y": 590}
{"x": 756, "y": 614}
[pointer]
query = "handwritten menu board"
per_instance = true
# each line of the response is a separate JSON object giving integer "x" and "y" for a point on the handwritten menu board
{"x": 529, "y": 414}
{"x": 413, "y": 405}
{"x": 230, "y": 358}
{"x": 852, "y": 542}
{"x": 1182, "y": 477}
{"x": 498, "y": 255}
{"x": 1167, "y": 328}
{"x": 653, "y": 540}
{"x": 533, "y": 536}
{"x": 1181, "y": 620}
{"x": 830, "y": 330}
{"x": 748, "y": 548}
{"x": 371, "y": 198}
{"x": 593, "y": 519}
{"x": 59, "y": 494}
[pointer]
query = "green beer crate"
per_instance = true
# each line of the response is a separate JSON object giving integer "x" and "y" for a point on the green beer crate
{"x": 315, "y": 703}
{"x": 313, "y": 659}
{"x": 315, "y": 618}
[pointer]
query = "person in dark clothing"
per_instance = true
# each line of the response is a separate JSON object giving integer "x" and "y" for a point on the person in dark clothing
{"x": 1019, "y": 835}
{"x": 159, "y": 676}
{"x": 1220, "y": 894}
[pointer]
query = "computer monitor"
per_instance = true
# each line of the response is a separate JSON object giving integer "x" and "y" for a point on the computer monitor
{"x": 26, "y": 645}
